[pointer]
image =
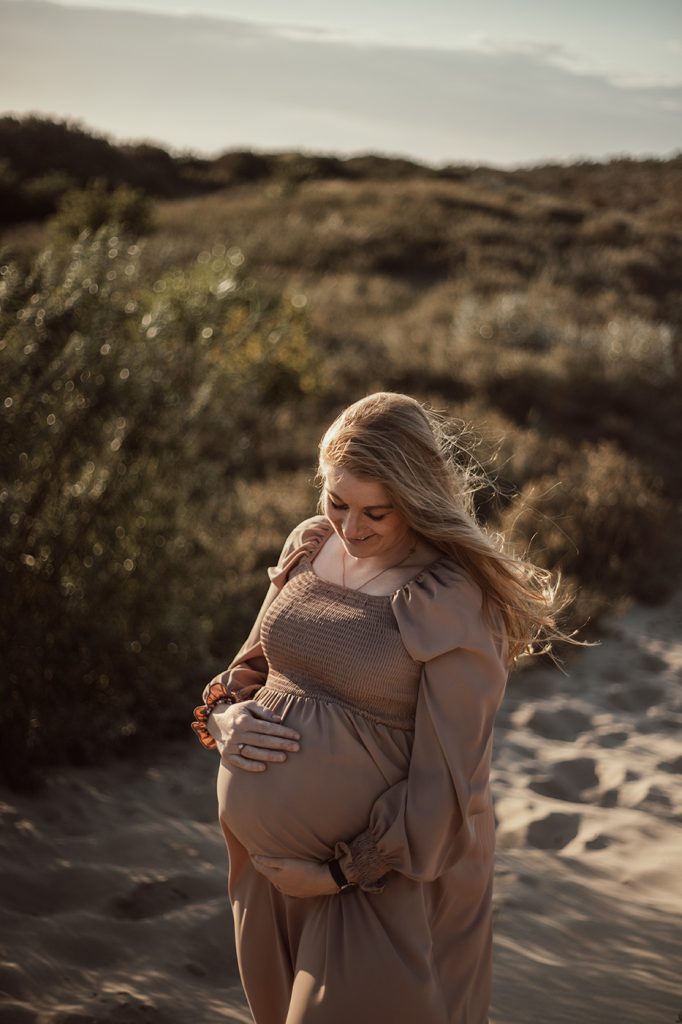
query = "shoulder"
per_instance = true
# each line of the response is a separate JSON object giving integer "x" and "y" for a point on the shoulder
{"x": 308, "y": 531}
{"x": 304, "y": 539}
{"x": 439, "y": 610}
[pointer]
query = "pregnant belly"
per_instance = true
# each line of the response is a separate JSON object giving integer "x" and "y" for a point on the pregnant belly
{"x": 323, "y": 792}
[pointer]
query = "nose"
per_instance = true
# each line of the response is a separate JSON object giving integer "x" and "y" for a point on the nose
{"x": 351, "y": 525}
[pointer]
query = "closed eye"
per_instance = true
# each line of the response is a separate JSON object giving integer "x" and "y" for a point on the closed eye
{"x": 374, "y": 518}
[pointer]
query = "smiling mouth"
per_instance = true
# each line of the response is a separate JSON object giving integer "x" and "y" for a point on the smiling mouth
{"x": 358, "y": 540}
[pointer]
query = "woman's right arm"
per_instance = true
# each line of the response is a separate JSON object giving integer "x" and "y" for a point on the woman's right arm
{"x": 260, "y": 730}
{"x": 248, "y": 670}
{"x": 245, "y": 721}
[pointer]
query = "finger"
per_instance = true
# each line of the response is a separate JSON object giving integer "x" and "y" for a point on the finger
{"x": 273, "y": 862}
{"x": 272, "y": 729}
{"x": 258, "y": 754}
{"x": 237, "y": 761}
{"x": 271, "y": 742}
{"x": 258, "y": 711}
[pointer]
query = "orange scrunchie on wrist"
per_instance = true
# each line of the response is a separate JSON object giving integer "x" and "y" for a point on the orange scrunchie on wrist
{"x": 218, "y": 693}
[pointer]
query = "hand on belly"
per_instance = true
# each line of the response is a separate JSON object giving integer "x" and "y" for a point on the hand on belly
{"x": 295, "y": 877}
{"x": 250, "y": 736}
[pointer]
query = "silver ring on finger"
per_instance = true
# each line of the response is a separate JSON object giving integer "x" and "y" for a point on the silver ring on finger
{"x": 240, "y": 747}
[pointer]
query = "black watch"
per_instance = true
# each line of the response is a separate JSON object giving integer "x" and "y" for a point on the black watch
{"x": 339, "y": 877}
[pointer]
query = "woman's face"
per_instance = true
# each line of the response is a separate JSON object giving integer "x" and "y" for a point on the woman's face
{"x": 362, "y": 514}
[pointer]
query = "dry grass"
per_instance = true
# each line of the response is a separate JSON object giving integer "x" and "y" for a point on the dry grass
{"x": 541, "y": 308}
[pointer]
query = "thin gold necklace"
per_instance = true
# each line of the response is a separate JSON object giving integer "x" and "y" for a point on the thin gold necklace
{"x": 394, "y": 566}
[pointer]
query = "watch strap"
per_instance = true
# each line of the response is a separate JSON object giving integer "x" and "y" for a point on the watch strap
{"x": 338, "y": 876}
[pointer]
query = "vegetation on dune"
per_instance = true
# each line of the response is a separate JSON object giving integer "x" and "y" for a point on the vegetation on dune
{"x": 169, "y": 365}
{"x": 126, "y": 408}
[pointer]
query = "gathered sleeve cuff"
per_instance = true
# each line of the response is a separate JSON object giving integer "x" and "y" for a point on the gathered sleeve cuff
{"x": 424, "y": 824}
{"x": 248, "y": 670}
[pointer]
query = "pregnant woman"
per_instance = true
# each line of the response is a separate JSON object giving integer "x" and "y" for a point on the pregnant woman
{"x": 355, "y": 729}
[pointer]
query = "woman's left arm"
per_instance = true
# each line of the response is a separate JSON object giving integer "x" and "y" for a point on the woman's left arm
{"x": 424, "y": 824}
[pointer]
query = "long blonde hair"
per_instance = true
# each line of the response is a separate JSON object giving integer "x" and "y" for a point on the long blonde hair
{"x": 413, "y": 451}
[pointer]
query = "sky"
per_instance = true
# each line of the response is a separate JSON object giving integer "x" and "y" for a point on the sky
{"x": 501, "y": 82}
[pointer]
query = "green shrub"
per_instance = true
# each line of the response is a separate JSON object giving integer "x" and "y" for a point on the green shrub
{"x": 128, "y": 407}
{"x": 603, "y": 520}
{"x": 125, "y": 209}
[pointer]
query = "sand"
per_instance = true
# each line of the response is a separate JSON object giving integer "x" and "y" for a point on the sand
{"x": 113, "y": 880}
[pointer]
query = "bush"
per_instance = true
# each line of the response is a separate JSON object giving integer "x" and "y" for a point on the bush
{"x": 602, "y": 519}
{"x": 124, "y": 209}
{"x": 127, "y": 402}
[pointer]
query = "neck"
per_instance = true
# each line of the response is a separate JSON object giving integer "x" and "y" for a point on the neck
{"x": 392, "y": 556}
{"x": 390, "y": 564}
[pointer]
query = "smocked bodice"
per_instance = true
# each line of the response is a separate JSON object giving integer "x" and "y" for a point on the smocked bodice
{"x": 339, "y": 644}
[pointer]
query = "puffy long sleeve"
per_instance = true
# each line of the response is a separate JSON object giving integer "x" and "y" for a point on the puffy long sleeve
{"x": 248, "y": 670}
{"x": 424, "y": 824}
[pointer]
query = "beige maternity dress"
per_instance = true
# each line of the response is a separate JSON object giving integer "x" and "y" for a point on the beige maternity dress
{"x": 394, "y": 697}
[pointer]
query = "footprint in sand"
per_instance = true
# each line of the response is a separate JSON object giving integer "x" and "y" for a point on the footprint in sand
{"x": 600, "y": 842}
{"x": 554, "y": 831}
{"x": 614, "y": 738}
{"x": 674, "y": 766}
{"x": 154, "y": 898}
{"x": 634, "y": 696}
{"x": 652, "y": 662}
{"x": 558, "y": 723}
{"x": 550, "y": 831}
{"x": 567, "y": 780}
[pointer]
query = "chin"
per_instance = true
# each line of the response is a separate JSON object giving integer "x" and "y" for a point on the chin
{"x": 360, "y": 543}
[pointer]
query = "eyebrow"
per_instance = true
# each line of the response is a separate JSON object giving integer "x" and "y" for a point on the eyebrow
{"x": 338, "y": 498}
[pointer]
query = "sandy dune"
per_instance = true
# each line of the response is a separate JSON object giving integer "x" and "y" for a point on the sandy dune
{"x": 113, "y": 879}
{"x": 589, "y": 804}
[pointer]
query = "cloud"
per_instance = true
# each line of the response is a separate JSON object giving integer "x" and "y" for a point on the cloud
{"x": 210, "y": 84}
{"x": 479, "y": 42}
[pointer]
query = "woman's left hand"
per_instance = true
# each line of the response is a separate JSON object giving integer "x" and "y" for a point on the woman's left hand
{"x": 295, "y": 877}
